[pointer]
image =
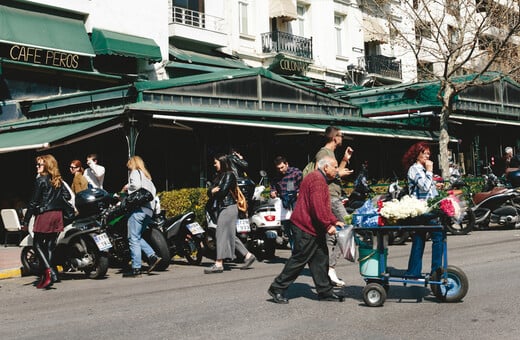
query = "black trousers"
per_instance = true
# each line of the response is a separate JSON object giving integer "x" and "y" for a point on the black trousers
{"x": 310, "y": 250}
{"x": 44, "y": 244}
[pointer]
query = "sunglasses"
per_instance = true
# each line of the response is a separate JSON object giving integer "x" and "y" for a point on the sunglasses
{"x": 39, "y": 165}
{"x": 74, "y": 167}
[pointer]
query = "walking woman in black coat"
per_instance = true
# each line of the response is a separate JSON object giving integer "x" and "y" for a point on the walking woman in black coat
{"x": 46, "y": 204}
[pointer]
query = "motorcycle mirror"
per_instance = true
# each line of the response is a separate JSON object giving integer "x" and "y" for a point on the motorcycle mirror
{"x": 263, "y": 173}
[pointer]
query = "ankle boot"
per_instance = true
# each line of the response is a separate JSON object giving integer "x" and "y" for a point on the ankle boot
{"x": 46, "y": 279}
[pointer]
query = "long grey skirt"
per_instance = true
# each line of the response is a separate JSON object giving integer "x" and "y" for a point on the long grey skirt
{"x": 227, "y": 240}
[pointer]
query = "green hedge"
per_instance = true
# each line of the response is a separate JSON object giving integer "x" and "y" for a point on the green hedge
{"x": 180, "y": 201}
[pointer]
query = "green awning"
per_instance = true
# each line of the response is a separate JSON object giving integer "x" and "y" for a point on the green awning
{"x": 51, "y": 136}
{"x": 307, "y": 127}
{"x": 193, "y": 67}
{"x": 46, "y": 31}
{"x": 205, "y": 59}
{"x": 115, "y": 43}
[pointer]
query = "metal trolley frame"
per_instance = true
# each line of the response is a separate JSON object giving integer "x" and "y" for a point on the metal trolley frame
{"x": 449, "y": 284}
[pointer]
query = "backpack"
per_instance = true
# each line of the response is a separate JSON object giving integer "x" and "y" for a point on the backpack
{"x": 310, "y": 167}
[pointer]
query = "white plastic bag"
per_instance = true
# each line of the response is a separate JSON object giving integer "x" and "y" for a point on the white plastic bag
{"x": 347, "y": 243}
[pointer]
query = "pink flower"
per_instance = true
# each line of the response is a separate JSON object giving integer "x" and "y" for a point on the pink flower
{"x": 447, "y": 207}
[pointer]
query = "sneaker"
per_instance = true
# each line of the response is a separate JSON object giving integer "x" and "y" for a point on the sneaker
{"x": 213, "y": 269}
{"x": 153, "y": 261}
{"x": 248, "y": 262}
{"x": 334, "y": 278}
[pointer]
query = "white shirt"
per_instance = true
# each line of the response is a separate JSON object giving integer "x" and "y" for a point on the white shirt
{"x": 95, "y": 175}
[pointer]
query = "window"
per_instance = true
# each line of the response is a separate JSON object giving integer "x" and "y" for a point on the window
{"x": 338, "y": 26}
{"x": 424, "y": 70}
{"x": 423, "y": 29}
{"x": 453, "y": 36}
{"x": 301, "y": 10}
{"x": 243, "y": 8}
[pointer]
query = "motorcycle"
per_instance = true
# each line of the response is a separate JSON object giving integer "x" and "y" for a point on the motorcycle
{"x": 184, "y": 236}
{"x": 112, "y": 214}
{"x": 81, "y": 246}
{"x": 496, "y": 205}
{"x": 265, "y": 223}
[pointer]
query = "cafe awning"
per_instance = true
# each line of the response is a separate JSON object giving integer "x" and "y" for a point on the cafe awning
{"x": 45, "y": 31}
{"x": 196, "y": 58}
{"x": 38, "y": 137}
{"x": 126, "y": 45}
{"x": 285, "y": 9}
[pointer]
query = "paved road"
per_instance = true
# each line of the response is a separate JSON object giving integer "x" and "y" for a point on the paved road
{"x": 183, "y": 303}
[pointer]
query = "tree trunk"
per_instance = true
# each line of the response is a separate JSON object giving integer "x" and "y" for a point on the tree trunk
{"x": 444, "y": 137}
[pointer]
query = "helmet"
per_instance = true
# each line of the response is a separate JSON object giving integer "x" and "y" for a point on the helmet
{"x": 514, "y": 178}
{"x": 91, "y": 201}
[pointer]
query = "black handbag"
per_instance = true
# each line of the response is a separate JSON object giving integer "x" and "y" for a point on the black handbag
{"x": 137, "y": 199}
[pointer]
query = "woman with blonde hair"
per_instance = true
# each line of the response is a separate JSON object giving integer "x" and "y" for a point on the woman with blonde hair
{"x": 139, "y": 177}
{"x": 46, "y": 204}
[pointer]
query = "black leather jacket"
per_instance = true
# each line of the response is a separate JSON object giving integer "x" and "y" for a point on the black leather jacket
{"x": 239, "y": 166}
{"x": 45, "y": 197}
{"x": 227, "y": 182}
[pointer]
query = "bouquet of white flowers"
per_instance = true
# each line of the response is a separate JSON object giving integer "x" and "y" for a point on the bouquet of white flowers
{"x": 407, "y": 207}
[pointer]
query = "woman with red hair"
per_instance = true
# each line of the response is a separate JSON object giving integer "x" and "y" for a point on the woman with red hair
{"x": 422, "y": 186}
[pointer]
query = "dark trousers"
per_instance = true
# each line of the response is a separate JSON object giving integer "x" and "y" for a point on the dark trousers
{"x": 44, "y": 244}
{"x": 310, "y": 250}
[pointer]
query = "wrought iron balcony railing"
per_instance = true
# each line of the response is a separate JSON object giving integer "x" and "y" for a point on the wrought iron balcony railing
{"x": 382, "y": 65}
{"x": 282, "y": 42}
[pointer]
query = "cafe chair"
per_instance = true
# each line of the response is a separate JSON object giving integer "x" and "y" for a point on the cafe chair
{"x": 11, "y": 224}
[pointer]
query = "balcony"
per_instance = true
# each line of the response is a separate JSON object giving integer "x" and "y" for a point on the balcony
{"x": 196, "y": 26}
{"x": 382, "y": 66}
{"x": 282, "y": 42}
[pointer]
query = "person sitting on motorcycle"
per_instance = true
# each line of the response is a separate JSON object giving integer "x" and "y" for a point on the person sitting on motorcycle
{"x": 286, "y": 185}
{"x": 422, "y": 185}
{"x": 220, "y": 193}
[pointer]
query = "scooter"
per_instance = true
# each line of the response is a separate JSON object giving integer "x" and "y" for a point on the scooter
{"x": 81, "y": 246}
{"x": 496, "y": 205}
{"x": 184, "y": 236}
{"x": 265, "y": 223}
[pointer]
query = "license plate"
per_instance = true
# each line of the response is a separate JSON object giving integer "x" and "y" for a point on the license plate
{"x": 243, "y": 226}
{"x": 195, "y": 228}
{"x": 102, "y": 241}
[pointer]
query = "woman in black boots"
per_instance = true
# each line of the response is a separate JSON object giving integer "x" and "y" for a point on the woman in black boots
{"x": 46, "y": 204}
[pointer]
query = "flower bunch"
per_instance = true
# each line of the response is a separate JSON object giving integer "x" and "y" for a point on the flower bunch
{"x": 448, "y": 204}
{"x": 407, "y": 207}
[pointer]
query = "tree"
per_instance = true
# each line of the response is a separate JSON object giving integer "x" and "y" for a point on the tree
{"x": 450, "y": 38}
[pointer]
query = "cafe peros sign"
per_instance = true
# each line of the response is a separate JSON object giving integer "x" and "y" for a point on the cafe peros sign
{"x": 288, "y": 66}
{"x": 45, "y": 57}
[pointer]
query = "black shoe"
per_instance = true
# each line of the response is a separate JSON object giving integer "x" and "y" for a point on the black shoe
{"x": 54, "y": 276}
{"x": 277, "y": 297}
{"x": 213, "y": 269}
{"x": 136, "y": 272}
{"x": 248, "y": 262}
{"x": 153, "y": 261}
{"x": 331, "y": 297}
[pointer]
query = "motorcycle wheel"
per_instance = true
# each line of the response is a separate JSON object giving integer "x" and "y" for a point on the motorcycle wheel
{"x": 192, "y": 250}
{"x": 465, "y": 226}
{"x": 210, "y": 244}
{"x": 100, "y": 259}
{"x": 158, "y": 243}
{"x": 30, "y": 262}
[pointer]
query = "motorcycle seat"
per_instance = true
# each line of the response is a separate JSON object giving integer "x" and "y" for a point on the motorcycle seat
{"x": 479, "y": 197}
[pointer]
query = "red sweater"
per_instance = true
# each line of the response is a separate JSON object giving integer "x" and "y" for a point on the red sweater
{"x": 312, "y": 213}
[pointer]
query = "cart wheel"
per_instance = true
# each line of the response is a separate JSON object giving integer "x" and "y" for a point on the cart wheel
{"x": 454, "y": 289}
{"x": 374, "y": 295}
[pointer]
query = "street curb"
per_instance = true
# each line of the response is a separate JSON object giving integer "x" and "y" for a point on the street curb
{"x": 10, "y": 273}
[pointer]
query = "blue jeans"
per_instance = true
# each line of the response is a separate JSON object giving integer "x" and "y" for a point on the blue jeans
{"x": 417, "y": 251}
{"x": 137, "y": 222}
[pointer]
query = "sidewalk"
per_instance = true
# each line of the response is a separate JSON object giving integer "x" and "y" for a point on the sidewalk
{"x": 10, "y": 263}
